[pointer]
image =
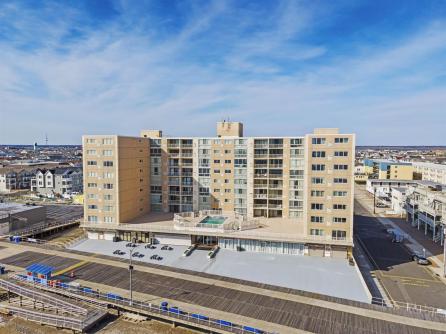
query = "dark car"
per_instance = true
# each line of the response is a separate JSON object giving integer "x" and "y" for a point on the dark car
{"x": 420, "y": 259}
{"x": 140, "y": 255}
{"x": 136, "y": 254}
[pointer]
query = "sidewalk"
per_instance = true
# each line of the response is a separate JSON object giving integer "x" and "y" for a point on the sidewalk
{"x": 415, "y": 240}
{"x": 417, "y": 246}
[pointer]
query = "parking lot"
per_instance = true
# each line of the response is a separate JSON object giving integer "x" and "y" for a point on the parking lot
{"x": 402, "y": 279}
{"x": 298, "y": 272}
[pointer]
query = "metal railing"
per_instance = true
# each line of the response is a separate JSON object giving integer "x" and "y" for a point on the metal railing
{"x": 408, "y": 306}
{"x": 39, "y": 228}
{"x": 41, "y": 297}
{"x": 49, "y": 319}
{"x": 188, "y": 317}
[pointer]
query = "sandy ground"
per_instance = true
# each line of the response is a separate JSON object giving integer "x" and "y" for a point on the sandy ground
{"x": 12, "y": 325}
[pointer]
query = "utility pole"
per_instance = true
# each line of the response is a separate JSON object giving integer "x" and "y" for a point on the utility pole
{"x": 444, "y": 252}
{"x": 374, "y": 200}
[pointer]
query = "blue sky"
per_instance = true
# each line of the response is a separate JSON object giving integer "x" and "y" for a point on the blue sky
{"x": 376, "y": 68}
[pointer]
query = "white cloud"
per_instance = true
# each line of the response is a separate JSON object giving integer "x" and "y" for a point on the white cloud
{"x": 120, "y": 80}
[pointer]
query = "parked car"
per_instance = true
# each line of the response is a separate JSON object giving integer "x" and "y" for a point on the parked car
{"x": 136, "y": 254}
{"x": 381, "y": 205}
{"x": 420, "y": 259}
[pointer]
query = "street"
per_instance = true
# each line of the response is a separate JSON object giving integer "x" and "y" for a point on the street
{"x": 402, "y": 279}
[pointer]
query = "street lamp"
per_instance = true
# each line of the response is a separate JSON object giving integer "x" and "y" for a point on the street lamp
{"x": 130, "y": 271}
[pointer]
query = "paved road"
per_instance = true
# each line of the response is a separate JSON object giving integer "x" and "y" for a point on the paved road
{"x": 403, "y": 279}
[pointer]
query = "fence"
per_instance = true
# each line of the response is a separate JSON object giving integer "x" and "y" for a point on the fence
{"x": 409, "y": 306}
{"x": 171, "y": 313}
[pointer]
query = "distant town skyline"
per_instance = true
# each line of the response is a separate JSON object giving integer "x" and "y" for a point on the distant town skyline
{"x": 374, "y": 68}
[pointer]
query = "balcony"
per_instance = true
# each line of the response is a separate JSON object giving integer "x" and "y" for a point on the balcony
{"x": 279, "y": 166}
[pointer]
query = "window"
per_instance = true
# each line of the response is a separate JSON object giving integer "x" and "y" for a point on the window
{"x": 227, "y": 190}
{"x": 92, "y": 163}
{"x": 338, "y": 235}
{"x": 108, "y": 208}
{"x": 92, "y": 174}
{"x": 108, "y": 163}
{"x": 339, "y": 220}
{"x": 216, "y": 190}
{"x": 339, "y": 206}
{"x": 317, "y": 193}
{"x": 108, "y": 197}
{"x": 92, "y": 185}
{"x": 108, "y": 185}
{"x": 317, "y": 219}
{"x": 338, "y": 193}
{"x": 108, "y": 175}
{"x": 227, "y": 151}
{"x": 296, "y": 142}
{"x": 92, "y": 196}
{"x": 204, "y": 171}
{"x": 318, "y": 154}
{"x": 315, "y": 231}
{"x": 216, "y": 151}
{"x": 228, "y": 161}
{"x": 340, "y": 167}
{"x": 216, "y": 171}
{"x": 317, "y": 167}
{"x": 91, "y": 152}
{"x": 91, "y": 141}
{"x": 318, "y": 141}
{"x": 216, "y": 161}
{"x": 317, "y": 180}
{"x": 339, "y": 180}
{"x": 341, "y": 154}
{"x": 341, "y": 140}
{"x": 226, "y": 181}
{"x": 227, "y": 171}
{"x": 107, "y": 153}
{"x": 108, "y": 219}
{"x": 317, "y": 206}
{"x": 92, "y": 219}
{"x": 92, "y": 207}
{"x": 217, "y": 141}
{"x": 107, "y": 141}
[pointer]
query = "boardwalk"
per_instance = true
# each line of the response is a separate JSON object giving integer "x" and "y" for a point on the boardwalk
{"x": 313, "y": 318}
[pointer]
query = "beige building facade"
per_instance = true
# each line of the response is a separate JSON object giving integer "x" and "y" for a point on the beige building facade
{"x": 299, "y": 185}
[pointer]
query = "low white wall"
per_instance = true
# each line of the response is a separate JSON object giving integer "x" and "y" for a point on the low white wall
{"x": 173, "y": 239}
{"x": 92, "y": 235}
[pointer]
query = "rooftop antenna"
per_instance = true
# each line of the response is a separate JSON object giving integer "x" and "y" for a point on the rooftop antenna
{"x": 46, "y": 139}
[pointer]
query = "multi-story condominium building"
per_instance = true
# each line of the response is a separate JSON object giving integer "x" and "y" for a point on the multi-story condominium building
{"x": 426, "y": 208}
{"x": 430, "y": 172}
{"x": 57, "y": 181}
{"x": 388, "y": 169}
{"x": 278, "y": 194}
{"x": 13, "y": 179}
